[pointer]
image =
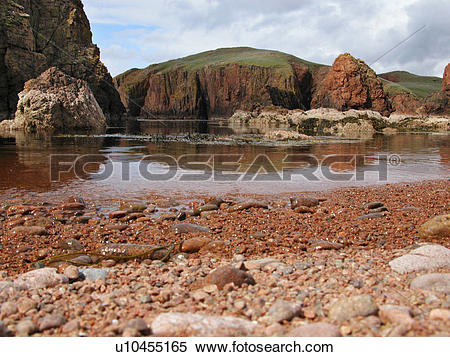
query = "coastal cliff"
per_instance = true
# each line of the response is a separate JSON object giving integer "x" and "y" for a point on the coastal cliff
{"x": 220, "y": 82}
{"x": 39, "y": 34}
{"x": 217, "y": 83}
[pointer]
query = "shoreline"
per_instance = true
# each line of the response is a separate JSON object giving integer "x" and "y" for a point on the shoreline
{"x": 328, "y": 252}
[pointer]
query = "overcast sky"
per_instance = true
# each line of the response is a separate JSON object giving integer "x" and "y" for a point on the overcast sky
{"x": 136, "y": 33}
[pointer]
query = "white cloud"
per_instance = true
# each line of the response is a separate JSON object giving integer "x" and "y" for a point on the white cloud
{"x": 314, "y": 30}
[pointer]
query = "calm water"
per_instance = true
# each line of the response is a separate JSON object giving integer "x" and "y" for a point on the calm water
{"x": 124, "y": 160}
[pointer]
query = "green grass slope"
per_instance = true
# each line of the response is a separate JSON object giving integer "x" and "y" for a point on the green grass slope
{"x": 401, "y": 81}
{"x": 221, "y": 58}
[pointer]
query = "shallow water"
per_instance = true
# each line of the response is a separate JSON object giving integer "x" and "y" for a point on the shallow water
{"x": 122, "y": 154}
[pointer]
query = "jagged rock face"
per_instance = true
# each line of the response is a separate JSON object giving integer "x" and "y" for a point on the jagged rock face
{"x": 446, "y": 79}
{"x": 38, "y": 34}
{"x": 404, "y": 103}
{"x": 351, "y": 84}
{"x": 56, "y": 102}
{"x": 438, "y": 103}
{"x": 214, "y": 91}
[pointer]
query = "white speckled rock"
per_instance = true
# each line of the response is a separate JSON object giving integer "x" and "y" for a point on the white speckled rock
{"x": 319, "y": 329}
{"x": 423, "y": 258}
{"x": 434, "y": 282}
{"x": 40, "y": 278}
{"x": 395, "y": 314}
{"x": 180, "y": 324}
{"x": 347, "y": 308}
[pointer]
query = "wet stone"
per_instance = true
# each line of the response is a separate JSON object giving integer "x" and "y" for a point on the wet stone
{"x": 71, "y": 245}
{"x": 437, "y": 227}
{"x": 193, "y": 245}
{"x": 371, "y": 215}
{"x": 303, "y": 202}
{"x": 247, "y": 205}
{"x": 373, "y": 205}
{"x": 205, "y": 208}
{"x": 31, "y": 230}
{"x": 132, "y": 207}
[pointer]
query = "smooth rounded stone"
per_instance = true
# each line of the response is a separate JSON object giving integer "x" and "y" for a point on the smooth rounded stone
{"x": 275, "y": 330}
{"x": 302, "y": 265}
{"x": 247, "y": 205}
{"x": 43, "y": 253}
{"x": 193, "y": 245}
{"x": 303, "y": 209}
{"x": 70, "y": 244}
{"x": 109, "y": 263}
{"x": 373, "y": 205}
{"x": 93, "y": 274}
{"x": 39, "y": 279}
{"x": 283, "y": 310}
{"x": 132, "y": 207}
{"x": 167, "y": 203}
{"x": 347, "y": 308}
{"x": 72, "y": 206}
{"x": 82, "y": 259}
{"x": 116, "y": 227}
{"x": 433, "y": 282}
{"x": 25, "y": 304}
{"x": 319, "y": 329}
{"x": 72, "y": 272}
{"x": 303, "y": 201}
{"x": 8, "y": 308}
{"x": 372, "y": 215}
{"x": 326, "y": 245}
{"x": 139, "y": 325}
{"x": 26, "y": 328}
{"x": 226, "y": 275}
{"x": 426, "y": 257}
{"x": 82, "y": 219}
{"x": 215, "y": 246}
{"x": 189, "y": 228}
{"x": 395, "y": 314}
{"x": 4, "y": 332}
{"x": 379, "y": 209}
{"x": 31, "y": 230}
{"x": 51, "y": 321}
{"x": 117, "y": 214}
{"x": 437, "y": 227}
{"x": 259, "y": 264}
{"x": 71, "y": 326}
{"x": 205, "y": 208}
{"x": 199, "y": 325}
{"x": 440, "y": 314}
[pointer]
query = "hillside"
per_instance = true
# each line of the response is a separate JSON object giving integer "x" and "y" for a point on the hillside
{"x": 421, "y": 86}
{"x": 219, "y": 82}
{"x": 216, "y": 83}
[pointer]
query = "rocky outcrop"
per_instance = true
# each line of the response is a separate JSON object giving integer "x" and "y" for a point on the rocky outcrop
{"x": 404, "y": 103}
{"x": 438, "y": 103}
{"x": 39, "y": 34}
{"x": 56, "y": 102}
{"x": 217, "y": 83}
{"x": 351, "y": 84}
{"x": 325, "y": 121}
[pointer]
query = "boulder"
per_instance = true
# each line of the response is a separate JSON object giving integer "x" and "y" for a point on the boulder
{"x": 56, "y": 102}
{"x": 426, "y": 257}
{"x": 351, "y": 84}
{"x": 437, "y": 227}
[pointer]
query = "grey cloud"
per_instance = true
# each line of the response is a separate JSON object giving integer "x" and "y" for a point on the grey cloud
{"x": 314, "y": 30}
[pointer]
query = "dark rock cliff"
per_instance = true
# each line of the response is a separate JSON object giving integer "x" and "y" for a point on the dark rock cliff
{"x": 38, "y": 34}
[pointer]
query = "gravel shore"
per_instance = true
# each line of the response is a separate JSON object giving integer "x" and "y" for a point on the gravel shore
{"x": 348, "y": 262}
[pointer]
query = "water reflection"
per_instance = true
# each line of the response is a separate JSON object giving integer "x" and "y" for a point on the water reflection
{"x": 25, "y": 164}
